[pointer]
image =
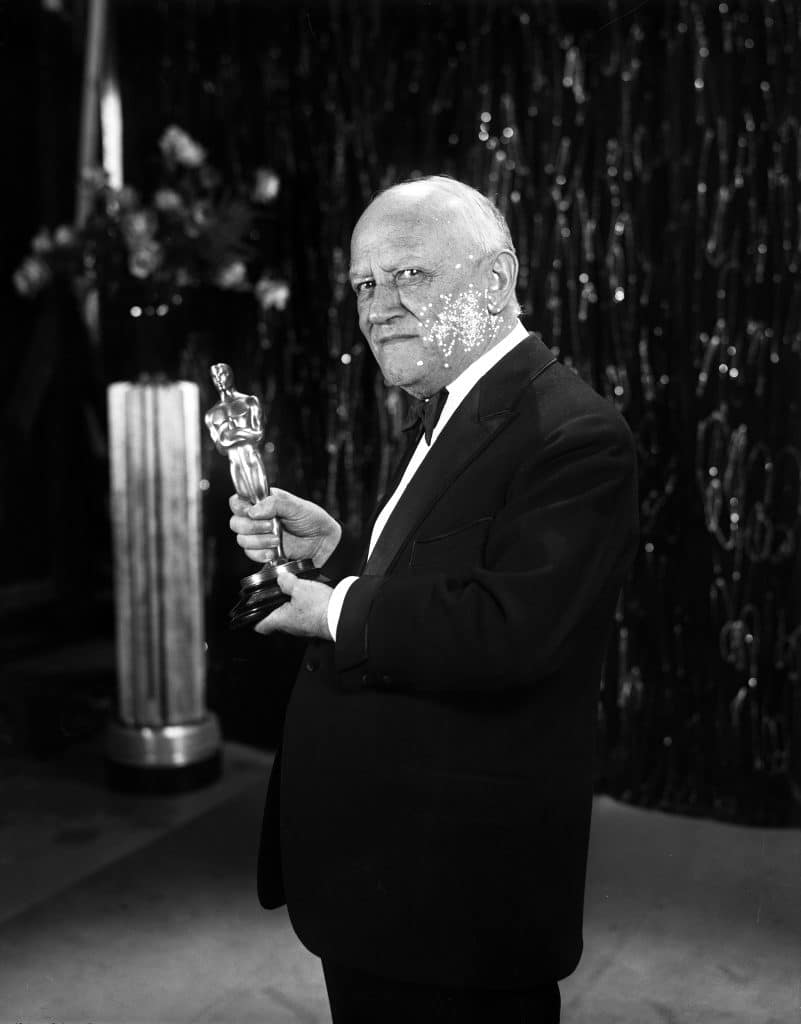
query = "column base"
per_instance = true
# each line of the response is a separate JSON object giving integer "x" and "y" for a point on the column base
{"x": 163, "y": 759}
{"x": 125, "y": 778}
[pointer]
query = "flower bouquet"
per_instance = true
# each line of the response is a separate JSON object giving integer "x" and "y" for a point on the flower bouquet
{"x": 194, "y": 233}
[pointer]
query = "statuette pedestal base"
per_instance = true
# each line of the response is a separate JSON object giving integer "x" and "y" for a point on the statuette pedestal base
{"x": 259, "y": 593}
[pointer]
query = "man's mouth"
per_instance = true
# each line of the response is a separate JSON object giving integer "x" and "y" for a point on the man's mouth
{"x": 395, "y": 337}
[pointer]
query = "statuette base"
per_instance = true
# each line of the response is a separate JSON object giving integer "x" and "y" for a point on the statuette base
{"x": 259, "y": 593}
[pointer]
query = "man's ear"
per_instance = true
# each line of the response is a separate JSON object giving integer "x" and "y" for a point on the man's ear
{"x": 503, "y": 280}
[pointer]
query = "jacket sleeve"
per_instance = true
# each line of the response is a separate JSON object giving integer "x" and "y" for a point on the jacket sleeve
{"x": 566, "y": 533}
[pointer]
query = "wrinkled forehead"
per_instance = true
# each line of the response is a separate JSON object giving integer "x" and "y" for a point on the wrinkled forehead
{"x": 414, "y": 216}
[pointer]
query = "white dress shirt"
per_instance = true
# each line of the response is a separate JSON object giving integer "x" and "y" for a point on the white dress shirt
{"x": 457, "y": 392}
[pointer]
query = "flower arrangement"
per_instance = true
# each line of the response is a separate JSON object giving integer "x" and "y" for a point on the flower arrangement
{"x": 193, "y": 231}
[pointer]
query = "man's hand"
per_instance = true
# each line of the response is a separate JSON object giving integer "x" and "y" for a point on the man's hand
{"x": 306, "y": 612}
{"x": 308, "y": 530}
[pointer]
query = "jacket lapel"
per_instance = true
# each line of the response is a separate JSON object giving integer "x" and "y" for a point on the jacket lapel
{"x": 485, "y": 411}
{"x": 395, "y": 477}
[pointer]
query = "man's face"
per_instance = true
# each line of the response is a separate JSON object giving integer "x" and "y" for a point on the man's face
{"x": 420, "y": 283}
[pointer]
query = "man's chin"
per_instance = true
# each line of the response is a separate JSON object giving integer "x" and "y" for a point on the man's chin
{"x": 406, "y": 378}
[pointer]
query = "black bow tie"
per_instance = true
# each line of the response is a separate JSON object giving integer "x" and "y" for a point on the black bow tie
{"x": 426, "y": 411}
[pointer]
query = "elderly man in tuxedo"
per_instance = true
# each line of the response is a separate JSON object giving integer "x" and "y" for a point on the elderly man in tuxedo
{"x": 428, "y": 813}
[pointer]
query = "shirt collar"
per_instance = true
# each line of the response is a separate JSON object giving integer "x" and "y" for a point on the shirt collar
{"x": 468, "y": 378}
{"x": 458, "y": 388}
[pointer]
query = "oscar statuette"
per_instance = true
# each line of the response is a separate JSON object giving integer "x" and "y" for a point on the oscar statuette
{"x": 236, "y": 427}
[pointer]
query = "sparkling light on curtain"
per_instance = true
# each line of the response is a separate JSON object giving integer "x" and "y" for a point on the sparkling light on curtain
{"x": 648, "y": 160}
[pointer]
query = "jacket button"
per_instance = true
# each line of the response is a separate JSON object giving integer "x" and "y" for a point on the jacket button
{"x": 386, "y": 680}
{"x": 312, "y": 665}
{"x": 365, "y": 678}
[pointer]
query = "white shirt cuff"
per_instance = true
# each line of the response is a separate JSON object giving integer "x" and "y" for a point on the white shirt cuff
{"x": 336, "y": 601}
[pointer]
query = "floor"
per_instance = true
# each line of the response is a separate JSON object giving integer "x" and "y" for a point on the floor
{"x": 121, "y": 909}
{"x": 127, "y": 909}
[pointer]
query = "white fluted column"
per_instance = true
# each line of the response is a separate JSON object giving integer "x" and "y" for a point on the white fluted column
{"x": 162, "y": 721}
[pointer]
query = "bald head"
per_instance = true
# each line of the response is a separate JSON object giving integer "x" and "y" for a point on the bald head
{"x": 455, "y": 207}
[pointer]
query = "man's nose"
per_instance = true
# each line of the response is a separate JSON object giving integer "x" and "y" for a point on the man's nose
{"x": 384, "y": 304}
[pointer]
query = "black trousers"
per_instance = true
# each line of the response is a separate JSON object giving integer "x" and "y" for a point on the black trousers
{"x": 360, "y": 998}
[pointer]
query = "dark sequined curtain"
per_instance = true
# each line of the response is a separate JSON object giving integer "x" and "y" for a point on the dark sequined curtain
{"x": 648, "y": 159}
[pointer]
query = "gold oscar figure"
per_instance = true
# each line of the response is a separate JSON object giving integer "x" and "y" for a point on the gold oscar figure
{"x": 236, "y": 427}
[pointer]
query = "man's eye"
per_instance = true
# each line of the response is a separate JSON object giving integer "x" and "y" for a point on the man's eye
{"x": 363, "y": 286}
{"x": 408, "y": 274}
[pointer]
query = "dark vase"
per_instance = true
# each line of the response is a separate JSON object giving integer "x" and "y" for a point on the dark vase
{"x": 155, "y": 332}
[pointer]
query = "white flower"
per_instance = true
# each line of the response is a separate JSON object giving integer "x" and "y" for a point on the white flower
{"x": 144, "y": 259}
{"x": 64, "y": 236}
{"x": 41, "y": 241}
{"x": 167, "y": 200}
{"x": 32, "y": 276}
{"x": 201, "y": 214}
{"x": 179, "y": 147}
{"x": 138, "y": 227}
{"x": 232, "y": 275}
{"x": 266, "y": 187}
{"x": 272, "y": 293}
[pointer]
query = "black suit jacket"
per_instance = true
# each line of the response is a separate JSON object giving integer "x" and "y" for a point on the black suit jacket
{"x": 428, "y": 817}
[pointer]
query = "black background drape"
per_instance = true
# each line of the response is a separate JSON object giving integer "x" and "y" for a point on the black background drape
{"x": 647, "y": 158}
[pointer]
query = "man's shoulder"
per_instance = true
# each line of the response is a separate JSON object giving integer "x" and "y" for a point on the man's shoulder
{"x": 563, "y": 383}
{"x": 560, "y": 399}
